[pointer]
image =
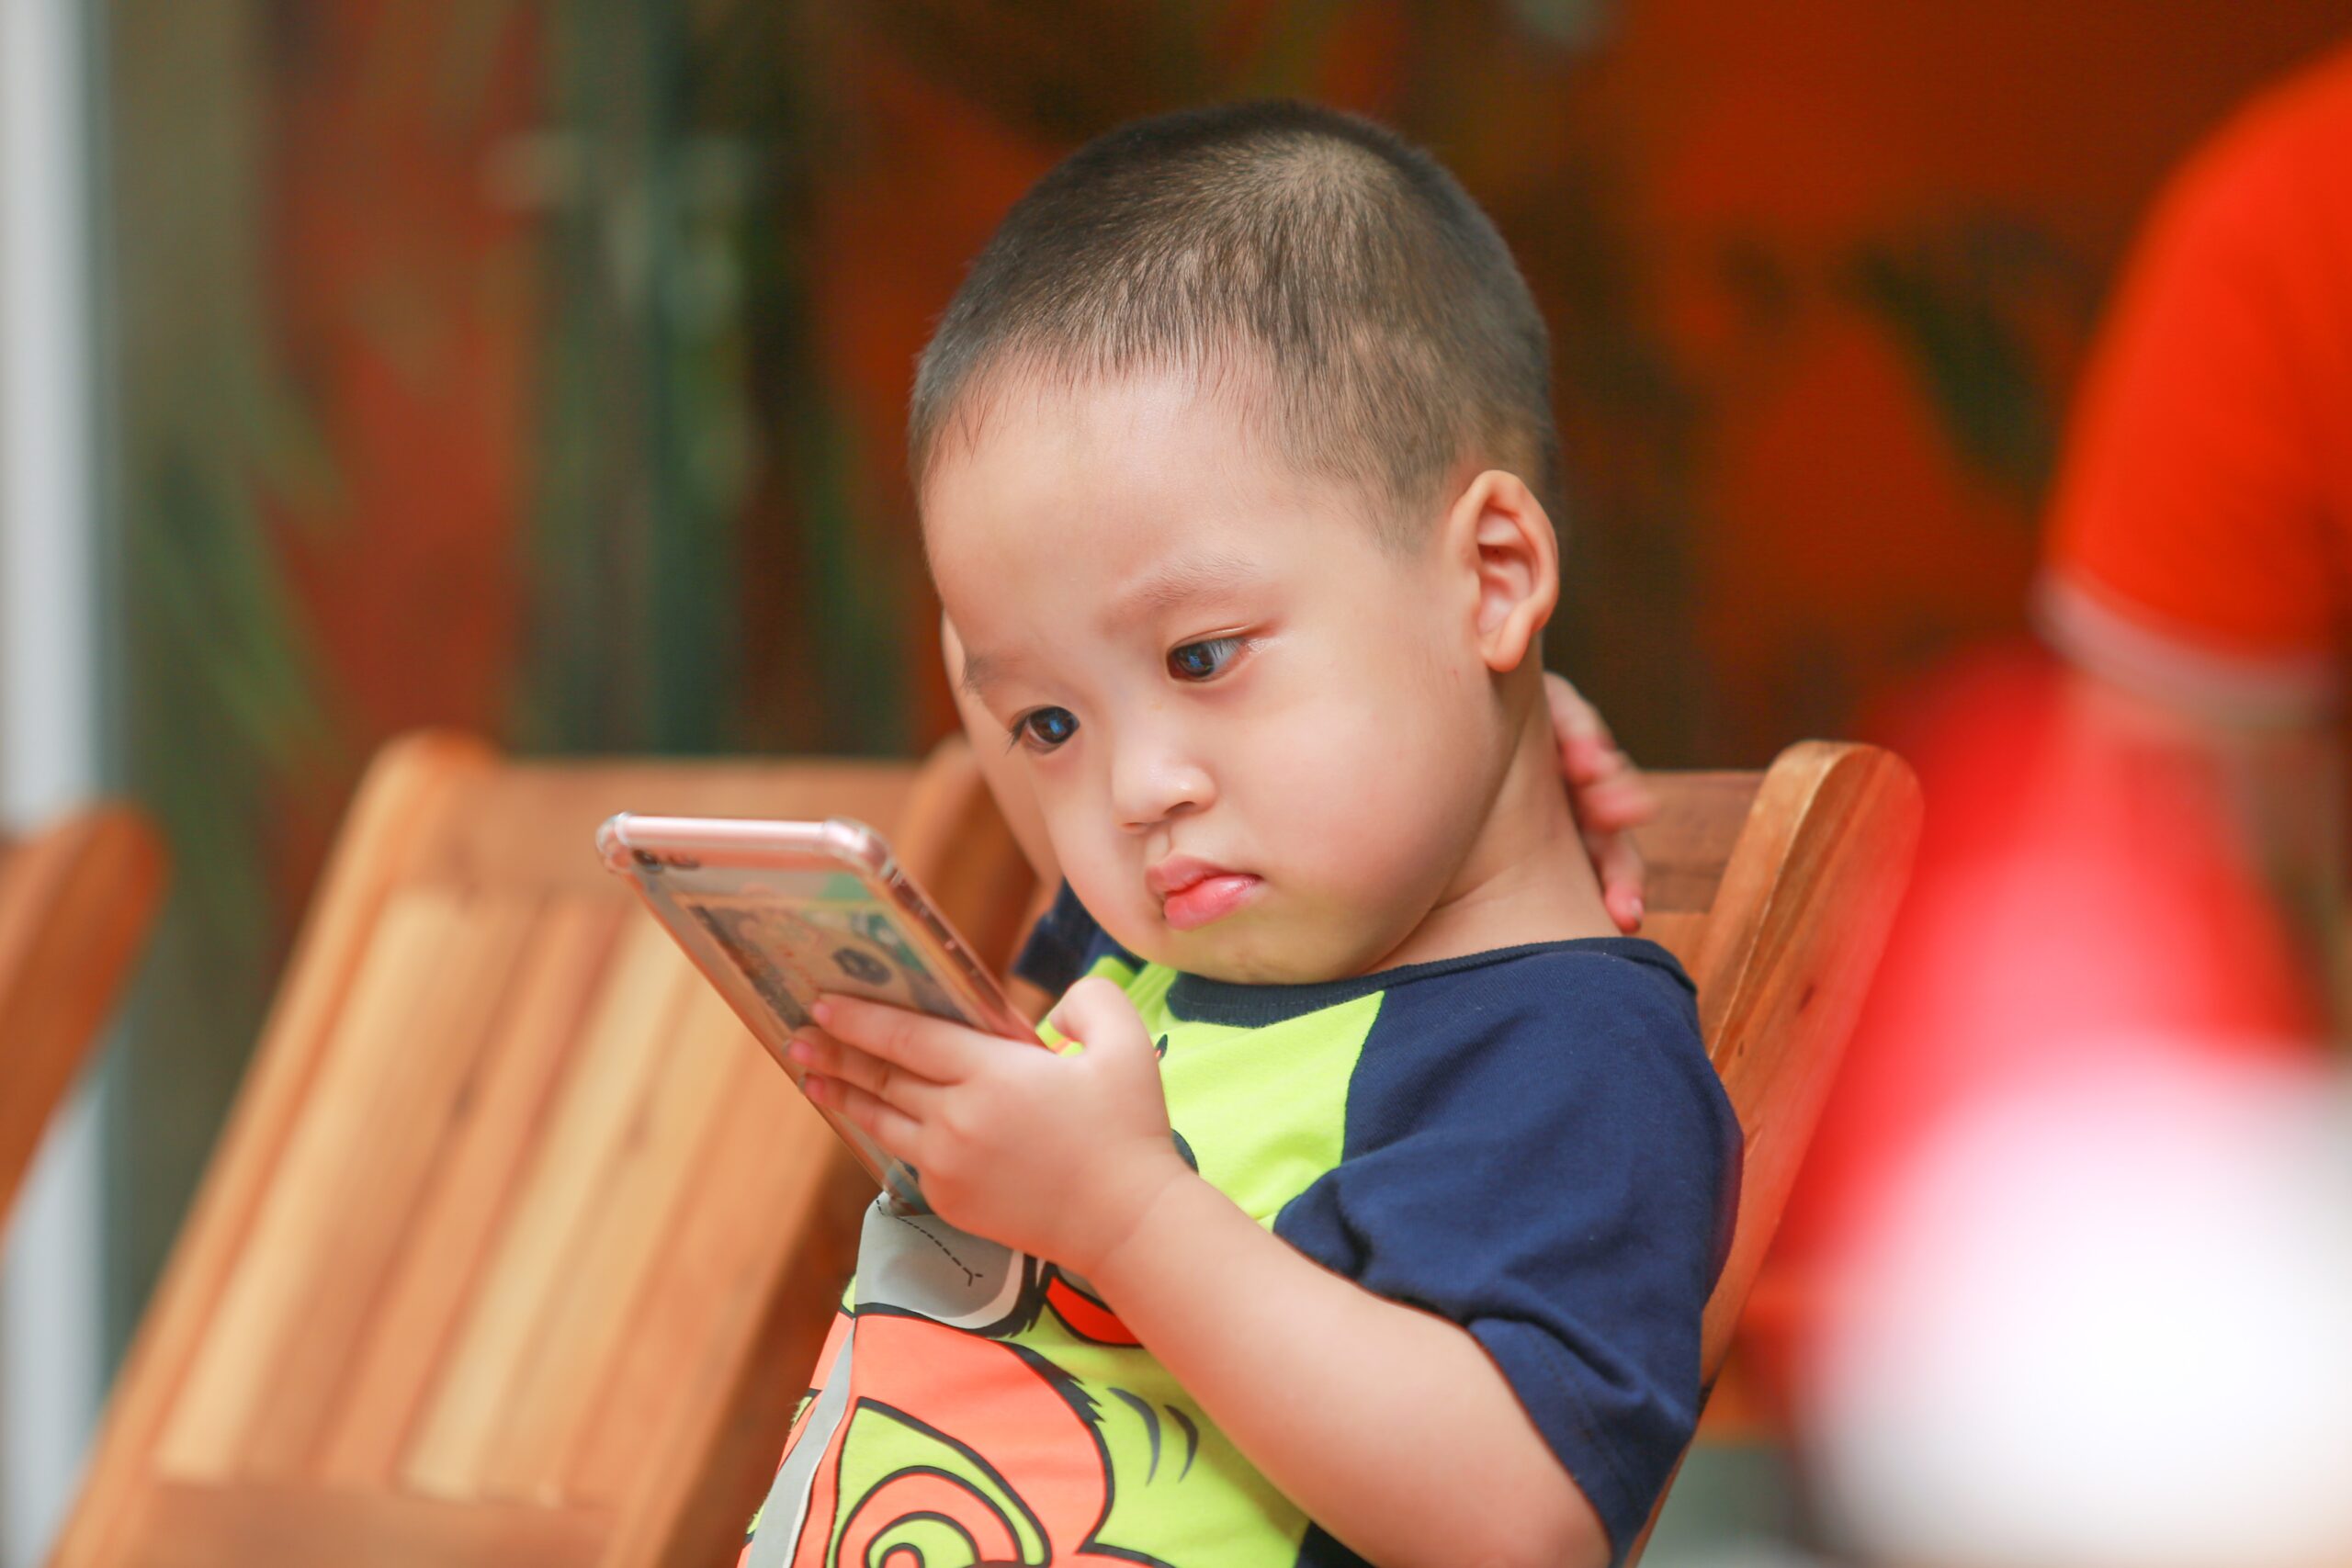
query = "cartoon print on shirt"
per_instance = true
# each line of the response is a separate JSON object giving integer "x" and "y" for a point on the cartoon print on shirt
{"x": 1031, "y": 1475}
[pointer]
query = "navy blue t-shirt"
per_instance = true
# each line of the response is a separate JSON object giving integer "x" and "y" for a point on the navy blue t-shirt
{"x": 1535, "y": 1147}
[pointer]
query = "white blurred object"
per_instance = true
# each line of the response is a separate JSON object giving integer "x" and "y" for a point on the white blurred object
{"x": 2106, "y": 1326}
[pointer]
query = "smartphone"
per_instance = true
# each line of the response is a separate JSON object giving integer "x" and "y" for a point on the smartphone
{"x": 773, "y": 913}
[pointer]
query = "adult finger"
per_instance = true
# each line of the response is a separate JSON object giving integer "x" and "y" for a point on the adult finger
{"x": 1605, "y": 789}
{"x": 927, "y": 1047}
{"x": 1624, "y": 799}
{"x": 1577, "y": 728}
{"x": 1623, "y": 878}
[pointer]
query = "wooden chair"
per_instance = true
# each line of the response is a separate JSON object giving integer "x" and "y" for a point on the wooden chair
{"x": 516, "y": 1249}
{"x": 76, "y": 900}
{"x": 1777, "y": 890}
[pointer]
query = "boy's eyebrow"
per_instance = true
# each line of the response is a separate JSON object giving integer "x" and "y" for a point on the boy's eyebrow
{"x": 1176, "y": 582}
{"x": 979, "y": 672}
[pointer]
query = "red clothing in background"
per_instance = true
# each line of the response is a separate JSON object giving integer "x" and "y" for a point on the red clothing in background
{"x": 2081, "y": 900}
{"x": 2201, "y": 541}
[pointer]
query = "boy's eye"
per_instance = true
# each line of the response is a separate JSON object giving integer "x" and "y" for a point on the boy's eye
{"x": 1045, "y": 729}
{"x": 1200, "y": 661}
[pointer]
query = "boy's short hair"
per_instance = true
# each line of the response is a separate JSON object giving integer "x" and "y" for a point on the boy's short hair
{"x": 1290, "y": 253}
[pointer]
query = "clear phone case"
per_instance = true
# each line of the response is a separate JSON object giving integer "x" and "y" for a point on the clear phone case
{"x": 774, "y": 912}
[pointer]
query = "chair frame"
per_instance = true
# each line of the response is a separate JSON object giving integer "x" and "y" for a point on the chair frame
{"x": 77, "y": 902}
{"x": 1781, "y": 928}
{"x": 1776, "y": 889}
{"x": 694, "y": 1481}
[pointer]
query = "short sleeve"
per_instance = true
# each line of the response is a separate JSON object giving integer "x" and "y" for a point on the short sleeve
{"x": 1540, "y": 1153}
{"x": 1064, "y": 944}
{"x": 2198, "y": 537}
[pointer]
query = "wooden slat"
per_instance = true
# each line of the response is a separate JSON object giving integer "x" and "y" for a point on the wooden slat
{"x": 481, "y": 1222}
{"x": 76, "y": 900}
{"x": 633, "y": 1193}
{"x": 554, "y": 987}
{"x": 378, "y": 1194}
{"x": 699, "y": 1481}
{"x": 1687, "y": 845}
{"x": 1802, "y": 911}
{"x": 602, "y": 1091}
{"x": 180, "y": 1525}
{"x": 1803, "y": 914}
{"x": 764, "y": 1153}
{"x": 1684, "y": 850}
{"x": 1682, "y": 932}
{"x": 307, "y": 1205}
{"x": 403, "y": 792}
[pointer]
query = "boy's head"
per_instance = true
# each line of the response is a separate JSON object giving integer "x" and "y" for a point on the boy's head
{"x": 1336, "y": 285}
{"x": 1230, "y": 453}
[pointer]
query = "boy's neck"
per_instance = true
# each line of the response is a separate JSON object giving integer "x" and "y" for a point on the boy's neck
{"x": 1528, "y": 877}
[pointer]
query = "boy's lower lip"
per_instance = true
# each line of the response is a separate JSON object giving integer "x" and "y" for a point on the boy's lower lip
{"x": 1210, "y": 898}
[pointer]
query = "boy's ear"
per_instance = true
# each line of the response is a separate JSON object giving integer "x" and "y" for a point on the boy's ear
{"x": 1501, "y": 531}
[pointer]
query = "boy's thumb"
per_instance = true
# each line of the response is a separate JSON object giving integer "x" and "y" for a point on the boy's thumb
{"x": 1096, "y": 1014}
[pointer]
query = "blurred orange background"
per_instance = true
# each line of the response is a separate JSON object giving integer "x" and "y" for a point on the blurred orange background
{"x": 538, "y": 368}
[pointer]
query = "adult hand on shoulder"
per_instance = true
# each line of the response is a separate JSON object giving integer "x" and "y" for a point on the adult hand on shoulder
{"x": 1608, "y": 795}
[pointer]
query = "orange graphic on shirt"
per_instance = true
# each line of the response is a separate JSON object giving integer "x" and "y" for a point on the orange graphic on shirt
{"x": 1023, "y": 1479}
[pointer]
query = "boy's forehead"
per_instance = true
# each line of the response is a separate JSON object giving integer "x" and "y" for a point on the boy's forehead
{"x": 1157, "y": 439}
{"x": 1230, "y": 403}
{"x": 1117, "y": 459}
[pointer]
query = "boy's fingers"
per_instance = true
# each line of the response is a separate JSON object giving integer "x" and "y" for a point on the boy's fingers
{"x": 820, "y": 1052}
{"x": 1097, "y": 1013}
{"x": 927, "y": 1047}
{"x": 893, "y": 1129}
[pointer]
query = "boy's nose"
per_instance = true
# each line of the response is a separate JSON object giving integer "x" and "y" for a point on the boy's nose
{"x": 1149, "y": 785}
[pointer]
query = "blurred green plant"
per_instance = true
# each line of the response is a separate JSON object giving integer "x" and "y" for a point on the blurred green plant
{"x": 703, "y": 577}
{"x": 220, "y": 718}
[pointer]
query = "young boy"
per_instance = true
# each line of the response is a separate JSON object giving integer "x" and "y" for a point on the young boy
{"x": 1375, "y": 1218}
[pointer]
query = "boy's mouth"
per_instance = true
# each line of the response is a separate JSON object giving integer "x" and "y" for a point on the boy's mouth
{"x": 1191, "y": 893}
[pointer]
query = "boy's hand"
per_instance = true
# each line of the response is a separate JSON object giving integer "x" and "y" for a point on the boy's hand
{"x": 1608, "y": 795}
{"x": 1057, "y": 1154}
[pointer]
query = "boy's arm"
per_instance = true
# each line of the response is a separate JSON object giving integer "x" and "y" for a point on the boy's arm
{"x": 1391, "y": 1427}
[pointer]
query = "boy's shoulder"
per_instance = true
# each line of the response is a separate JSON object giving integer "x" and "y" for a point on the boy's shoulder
{"x": 1596, "y": 1021}
{"x": 1494, "y": 991}
{"x": 1541, "y": 987}
{"x": 1544, "y": 1035}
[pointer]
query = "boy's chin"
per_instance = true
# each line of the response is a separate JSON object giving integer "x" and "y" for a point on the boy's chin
{"x": 1243, "y": 956}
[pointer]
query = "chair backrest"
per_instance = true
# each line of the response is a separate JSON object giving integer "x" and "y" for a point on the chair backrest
{"x": 76, "y": 900}
{"x": 1777, "y": 890}
{"x": 516, "y": 1249}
